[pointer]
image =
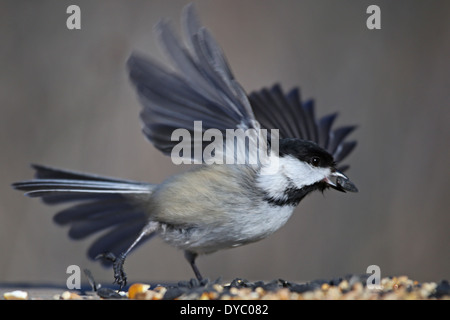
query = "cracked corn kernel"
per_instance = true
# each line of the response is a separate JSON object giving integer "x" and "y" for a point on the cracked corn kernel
{"x": 137, "y": 288}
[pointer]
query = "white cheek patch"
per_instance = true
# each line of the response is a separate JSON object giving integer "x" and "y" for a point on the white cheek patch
{"x": 301, "y": 173}
{"x": 274, "y": 182}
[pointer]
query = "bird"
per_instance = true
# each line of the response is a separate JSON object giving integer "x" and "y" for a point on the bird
{"x": 212, "y": 205}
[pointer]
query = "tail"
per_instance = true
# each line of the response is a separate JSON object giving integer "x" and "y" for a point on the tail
{"x": 98, "y": 203}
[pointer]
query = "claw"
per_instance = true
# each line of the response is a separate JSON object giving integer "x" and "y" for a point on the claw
{"x": 120, "y": 276}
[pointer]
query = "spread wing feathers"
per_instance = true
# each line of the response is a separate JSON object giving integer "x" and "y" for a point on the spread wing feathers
{"x": 98, "y": 204}
{"x": 274, "y": 109}
{"x": 199, "y": 87}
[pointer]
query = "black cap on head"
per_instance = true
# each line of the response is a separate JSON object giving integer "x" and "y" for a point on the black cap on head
{"x": 306, "y": 151}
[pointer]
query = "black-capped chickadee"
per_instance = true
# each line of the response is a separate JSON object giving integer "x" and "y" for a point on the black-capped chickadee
{"x": 213, "y": 206}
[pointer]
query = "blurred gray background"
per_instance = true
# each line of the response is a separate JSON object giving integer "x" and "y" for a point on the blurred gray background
{"x": 66, "y": 101}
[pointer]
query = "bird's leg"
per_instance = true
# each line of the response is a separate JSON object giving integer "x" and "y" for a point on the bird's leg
{"x": 120, "y": 276}
{"x": 190, "y": 257}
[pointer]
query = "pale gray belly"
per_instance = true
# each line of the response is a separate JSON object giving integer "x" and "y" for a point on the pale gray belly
{"x": 241, "y": 228}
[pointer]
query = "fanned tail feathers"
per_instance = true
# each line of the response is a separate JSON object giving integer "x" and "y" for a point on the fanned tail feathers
{"x": 98, "y": 204}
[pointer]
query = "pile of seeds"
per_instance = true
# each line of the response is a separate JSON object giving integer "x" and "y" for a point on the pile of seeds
{"x": 350, "y": 287}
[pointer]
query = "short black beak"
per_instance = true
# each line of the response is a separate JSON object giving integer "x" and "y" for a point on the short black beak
{"x": 339, "y": 181}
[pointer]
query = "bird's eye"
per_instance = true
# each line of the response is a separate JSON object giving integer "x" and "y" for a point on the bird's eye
{"x": 315, "y": 161}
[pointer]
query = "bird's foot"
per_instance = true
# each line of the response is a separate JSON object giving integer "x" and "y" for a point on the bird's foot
{"x": 120, "y": 276}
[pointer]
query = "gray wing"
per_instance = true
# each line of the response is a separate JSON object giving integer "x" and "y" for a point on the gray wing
{"x": 199, "y": 87}
{"x": 275, "y": 109}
